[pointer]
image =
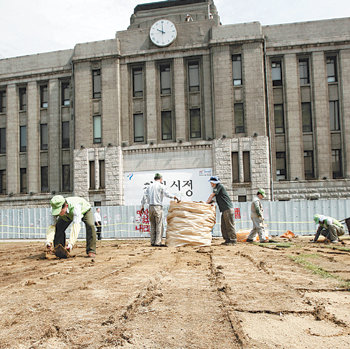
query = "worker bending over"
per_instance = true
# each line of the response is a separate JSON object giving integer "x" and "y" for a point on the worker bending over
{"x": 328, "y": 227}
{"x": 67, "y": 211}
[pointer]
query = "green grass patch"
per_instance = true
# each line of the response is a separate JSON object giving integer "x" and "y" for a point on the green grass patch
{"x": 339, "y": 248}
{"x": 315, "y": 269}
{"x": 272, "y": 245}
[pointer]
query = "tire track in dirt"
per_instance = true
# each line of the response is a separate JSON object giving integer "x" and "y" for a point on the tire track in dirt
{"x": 319, "y": 312}
{"x": 221, "y": 288}
{"x": 169, "y": 293}
{"x": 119, "y": 335}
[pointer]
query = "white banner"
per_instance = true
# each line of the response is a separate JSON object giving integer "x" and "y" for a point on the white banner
{"x": 186, "y": 184}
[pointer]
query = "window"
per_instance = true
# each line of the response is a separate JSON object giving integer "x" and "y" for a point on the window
{"x": 166, "y": 125}
{"x": 66, "y": 178}
{"x": 139, "y": 128}
{"x": 2, "y": 140}
{"x": 276, "y": 73}
{"x": 242, "y": 198}
{"x": 165, "y": 81}
{"x": 102, "y": 174}
{"x": 23, "y": 139}
{"x": 237, "y": 70}
{"x": 2, "y": 181}
{"x": 22, "y": 93}
{"x": 23, "y": 180}
{"x": 97, "y": 129}
{"x": 304, "y": 71}
{"x": 44, "y": 97}
{"x": 44, "y": 137}
{"x": 239, "y": 118}
{"x": 2, "y": 101}
{"x": 306, "y": 116}
{"x": 246, "y": 166}
{"x": 65, "y": 94}
{"x": 44, "y": 179}
{"x": 281, "y": 171}
{"x": 193, "y": 76}
{"x": 279, "y": 118}
{"x": 332, "y": 69}
{"x": 195, "y": 123}
{"x": 309, "y": 164}
{"x": 334, "y": 115}
{"x": 96, "y": 83}
{"x": 137, "y": 80}
{"x": 92, "y": 182}
{"x": 337, "y": 163}
{"x": 235, "y": 167}
{"x": 65, "y": 134}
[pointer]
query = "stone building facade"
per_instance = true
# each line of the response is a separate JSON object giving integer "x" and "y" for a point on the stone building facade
{"x": 263, "y": 106}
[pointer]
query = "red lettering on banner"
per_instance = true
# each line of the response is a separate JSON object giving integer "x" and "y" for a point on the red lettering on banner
{"x": 237, "y": 213}
{"x": 143, "y": 219}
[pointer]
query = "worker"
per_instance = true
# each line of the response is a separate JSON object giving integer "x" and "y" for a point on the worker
{"x": 257, "y": 217}
{"x": 67, "y": 211}
{"x": 228, "y": 230}
{"x": 328, "y": 227}
{"x": 153, "y": 195}
{"x": 98, "y": 223}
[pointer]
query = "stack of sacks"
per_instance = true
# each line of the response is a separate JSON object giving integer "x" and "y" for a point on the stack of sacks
{"x": 190, "y": 223}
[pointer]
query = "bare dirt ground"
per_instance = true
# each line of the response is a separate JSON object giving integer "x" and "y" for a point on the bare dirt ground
{"x": 132, "y": 295}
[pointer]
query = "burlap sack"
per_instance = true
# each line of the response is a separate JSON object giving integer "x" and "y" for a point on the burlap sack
{"x": 190, "y": 223}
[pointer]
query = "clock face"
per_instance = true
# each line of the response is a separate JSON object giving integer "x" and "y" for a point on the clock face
{"x": 163, "y": 33}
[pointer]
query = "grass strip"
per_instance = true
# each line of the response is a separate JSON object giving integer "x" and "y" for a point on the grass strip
{"x": 315, "y": 269}
{"x": 274, "y": 244}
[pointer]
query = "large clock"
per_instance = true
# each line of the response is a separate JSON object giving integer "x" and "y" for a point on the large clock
{"x": 163, "y": 33}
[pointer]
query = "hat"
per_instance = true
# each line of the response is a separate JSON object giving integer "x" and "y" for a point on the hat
{"x": 158, "y": 176}
{"x": 56, "y": 204}
{"x": 317, "y": 218}
{"x": 214, "y": 179}
{"x": 262, "y": 192}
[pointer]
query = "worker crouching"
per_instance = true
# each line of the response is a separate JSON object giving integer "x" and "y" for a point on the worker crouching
{"x": 328, "y": 227}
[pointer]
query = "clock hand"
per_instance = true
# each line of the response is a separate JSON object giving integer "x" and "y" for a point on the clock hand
{"x": 160, "y": 31}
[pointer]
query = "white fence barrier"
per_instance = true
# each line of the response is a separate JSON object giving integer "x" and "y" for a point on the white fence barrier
{"x": 127, "y": 221}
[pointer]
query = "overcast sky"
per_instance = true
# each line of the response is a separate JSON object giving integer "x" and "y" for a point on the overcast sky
{"x": 35, "y": 26}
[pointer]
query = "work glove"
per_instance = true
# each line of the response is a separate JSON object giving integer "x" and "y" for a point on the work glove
{"x": 69, "y": 247}
{"x": 142, "y": 210}
{"x": 177, "y": 199}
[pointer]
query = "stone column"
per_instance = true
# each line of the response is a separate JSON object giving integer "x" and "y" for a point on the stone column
{"x": 321, "y": 116}
{"x": 206, "y": 111}
{"x": 114, "y": 176}
{"x": 254, "y": 89}
{"x": 12, "y": 142}
{"x": 240, "y": 161}
{"x": 221, "y": 65}
{"x": 151, "y": 102}
{"x": 110, "y": 102}
{"x": 81, "y": 173}
{"x": 83, "y": 105}
{"x": 260, "y": 165}
{"x": 344, "y": 59}
{"x": 180, "y": 105}
{"x": 293, "y": 123}
{"x": 222, "y": 163}
{"x": 97, "y": 168}
{"x": 54, "y": 124}
{"x": 125, "y": 97}
{"x": 33, "y": 150}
